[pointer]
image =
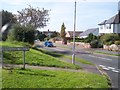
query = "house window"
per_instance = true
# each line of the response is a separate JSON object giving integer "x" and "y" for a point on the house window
{"x": 101, "y": 27}
{"x": 108, "y": 26}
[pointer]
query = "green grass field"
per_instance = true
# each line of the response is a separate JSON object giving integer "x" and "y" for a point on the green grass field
{"x": 34, "y": 78}
{"x": 108, "y": 53}
{"x": 33, "y": 57}
{"x": 57, "y": 55}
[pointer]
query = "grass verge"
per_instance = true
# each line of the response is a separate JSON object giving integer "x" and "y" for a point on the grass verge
{"x": 34, "y": 78}
{"x": 33, "y": 57}
{"x": 79, "y": 60}
{"x": 108, "y": 53}
{"x": 56, "y": 54}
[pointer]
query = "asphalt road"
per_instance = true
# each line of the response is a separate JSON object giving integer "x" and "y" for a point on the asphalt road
{"x": 108, "y": 63}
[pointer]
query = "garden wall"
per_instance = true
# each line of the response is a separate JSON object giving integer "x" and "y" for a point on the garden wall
{"x": 112, "y": 47}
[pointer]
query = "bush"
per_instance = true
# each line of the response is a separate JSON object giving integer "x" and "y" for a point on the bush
{"x": 22, "y": 33}
{"x": 96, "y": 44}
{"x": 90, "y": 38}
{"x": 109, "y": 39}
{"x": 117, "y": 42}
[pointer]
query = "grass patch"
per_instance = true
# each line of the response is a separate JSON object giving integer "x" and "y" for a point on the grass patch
{"x": 79, "y": 60}
{"x": 108, "y": 53}
{"x": 34, "y": 57}
{"x": 14, "y": 44}
{"x": 34, "y": 78}
{"x": 53, "y": 53}
{"x": 56, "y": 54}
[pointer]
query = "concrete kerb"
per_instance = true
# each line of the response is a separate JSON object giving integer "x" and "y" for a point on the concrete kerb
{"x": 105, "y": 74}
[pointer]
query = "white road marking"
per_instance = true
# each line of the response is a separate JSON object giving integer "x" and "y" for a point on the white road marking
{"x": 115, "y": 71}
{"x": 111, "y": 68}
{"x": 106, "y": 68}
{"x": 101, "y": 65}
{"x": 101, "y": 58}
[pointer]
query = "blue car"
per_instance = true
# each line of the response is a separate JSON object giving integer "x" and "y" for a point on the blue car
{"x": 48, "y": 44}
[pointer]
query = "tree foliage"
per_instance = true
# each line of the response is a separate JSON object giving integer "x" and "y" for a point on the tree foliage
{"x": 63, "y": 34}
{"x": 39, "y": 35}
{"x": 33, "y": 16}
{"x": 109, "y": 39}
{"x": 7, "y": 20}
{"x": 22, "y": 33}
{"x": 55, "y": 34}
{"x": 7, "y": 17}
{"x": 90, "y": 38}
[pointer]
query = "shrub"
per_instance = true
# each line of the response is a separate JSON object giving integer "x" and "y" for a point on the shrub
{"x": 96, "y": 44}
{"x": 117, "y": 42}
{"x": 109, "y": 39}
{"x": 90, "y": 38}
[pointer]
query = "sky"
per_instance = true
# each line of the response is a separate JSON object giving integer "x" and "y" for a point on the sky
{"x": 89, "y": 13}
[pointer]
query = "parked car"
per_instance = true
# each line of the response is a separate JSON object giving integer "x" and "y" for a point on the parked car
{"x": 37, "y": 41}
{"x": 48, "y": 44}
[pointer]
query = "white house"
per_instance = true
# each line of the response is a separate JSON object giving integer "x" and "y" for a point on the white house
{"x": 94, "y": 31}
{"x": 111, "y": 25}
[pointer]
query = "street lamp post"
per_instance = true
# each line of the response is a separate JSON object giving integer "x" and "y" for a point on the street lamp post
{"x": 73, "y": 56}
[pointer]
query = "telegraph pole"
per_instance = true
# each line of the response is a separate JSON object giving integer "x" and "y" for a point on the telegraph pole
{"x": 73, "y": 56}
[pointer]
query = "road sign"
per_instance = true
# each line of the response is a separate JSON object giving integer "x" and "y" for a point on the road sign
{"x": 15, "y": 49}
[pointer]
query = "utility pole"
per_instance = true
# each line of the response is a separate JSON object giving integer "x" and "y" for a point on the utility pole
{"x": 73, "y": 56}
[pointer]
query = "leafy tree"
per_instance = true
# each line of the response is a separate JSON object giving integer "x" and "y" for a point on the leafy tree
{"x": 41, "y": 36}
{"x": 54, "y": 34}
{"x": 22, "y": 33}
{"x": 63, "y": 33}
{"x": 90, "y": 38}
{"x": 33, "y": 16}
{"x": 7, "y": 20}
{"x": 7, "y": 17}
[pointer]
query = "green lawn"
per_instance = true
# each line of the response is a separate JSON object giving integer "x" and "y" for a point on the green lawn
{"x": 33, "y": 57}
{"x": 34, "y": 78}
{"x": 13, "y": 43}
{"x": 80, "y": 60}
{"x": 56, "y": 54}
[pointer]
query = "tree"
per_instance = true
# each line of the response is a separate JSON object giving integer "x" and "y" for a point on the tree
{"x": 33, "y": 16}
{"x": 22, "y": 33}
{"x": 55, "y": 34}
{"x": 7, "y": 17}
{"x": 62, "y": 34}
{"x": 7, "y": 20}
{"x": 40, "y": 35}
{"x": 90, "y": 38}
